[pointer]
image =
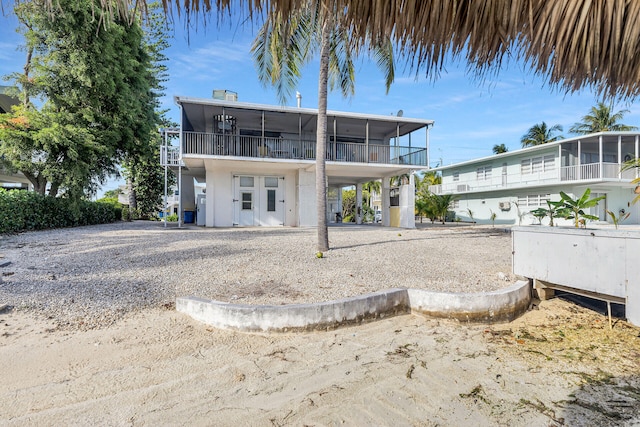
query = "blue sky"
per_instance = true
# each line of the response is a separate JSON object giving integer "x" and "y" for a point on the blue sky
{"x": 470, "y": 116}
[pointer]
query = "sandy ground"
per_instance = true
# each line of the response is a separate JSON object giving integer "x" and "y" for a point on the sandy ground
{"x": 559, "y": 364}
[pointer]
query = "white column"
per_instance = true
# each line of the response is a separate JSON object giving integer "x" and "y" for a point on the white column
{"x": 578, "y": 174}
{"x": 600, "y": 157}
{"x": 619, "y": 156}
{"x": 385, "y": 201}
{"x": 407, "y": 204}
{"x": 359, "y": 203}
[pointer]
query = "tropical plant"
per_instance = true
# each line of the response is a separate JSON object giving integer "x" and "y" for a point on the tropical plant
{"x": 371, "y": 187}
{"x": 617, "y": 219}
{"x": 552, "y": 211}
{"x": 286, "y": 42}
{"x": 631, "y": 164}
{"x": 470, "y": 213}
{"x": 493, "y": 217}
{"x": 574, "y": 208}
{"x": 440, "y": 205}
{"x": 539, "y": 134}
{"x": 601, "y": 119}
{"x": 499, "y": 149}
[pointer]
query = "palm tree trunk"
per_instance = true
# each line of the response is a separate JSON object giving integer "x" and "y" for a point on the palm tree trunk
{"x": 321, "y": 140}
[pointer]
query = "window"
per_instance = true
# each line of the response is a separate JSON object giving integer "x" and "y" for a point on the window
{"x": 247, "y": 201}
{"x": 549, "y": 162}
{"x": 456, "y": 176}
{"x": 533, "y": 200}
{"x": 538, "y": 164}
{"x": 483, "y": 173}
{"x": 271, "y": 200}
{"x": 270, "y": 181}
{"x": 246, "y": 181}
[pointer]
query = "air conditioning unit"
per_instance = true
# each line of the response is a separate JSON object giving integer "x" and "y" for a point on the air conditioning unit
{"x": 225, "y": 95}
{"x": 504, "y": 206}
{"x": 462, "y": 187}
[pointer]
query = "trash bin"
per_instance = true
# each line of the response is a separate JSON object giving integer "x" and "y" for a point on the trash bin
{"x": 188, "y": 217}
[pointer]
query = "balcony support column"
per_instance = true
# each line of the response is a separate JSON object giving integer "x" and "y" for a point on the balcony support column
{"x": 600, "y": 157}
{"x": 578, "y": 172}
{"x": 637, "y": 153}
{"x": 366, "y": 140}
{"x": 619, "y": 156}
{"x": 359, "y": 203}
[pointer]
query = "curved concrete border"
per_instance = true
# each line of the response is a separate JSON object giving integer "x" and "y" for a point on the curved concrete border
{"x": 500, "y": 305}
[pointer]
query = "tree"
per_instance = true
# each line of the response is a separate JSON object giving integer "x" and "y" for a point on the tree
{"x": 601, "y": 119}
{"x": 499, "y": 149}
{"x": 144, "y": 174}
{"x": 372, "y": 187}
{"x": 540, "y": 134}
{"x": 95, "y": 83}
{"x": 285, "y": 43}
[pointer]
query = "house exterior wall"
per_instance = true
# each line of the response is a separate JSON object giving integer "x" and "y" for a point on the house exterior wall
{"x": 513, "y": 184}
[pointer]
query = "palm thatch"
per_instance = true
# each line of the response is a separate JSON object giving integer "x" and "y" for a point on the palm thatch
{"x": 572, "y": 43}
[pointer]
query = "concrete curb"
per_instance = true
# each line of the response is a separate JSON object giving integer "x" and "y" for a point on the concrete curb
{"x": 500, "y": 305}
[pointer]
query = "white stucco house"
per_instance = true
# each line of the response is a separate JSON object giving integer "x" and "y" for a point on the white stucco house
{"x": 257, "y": 162}
{"x": 514, "y": 183}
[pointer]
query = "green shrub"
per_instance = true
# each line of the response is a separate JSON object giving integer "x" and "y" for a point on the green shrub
{"x": 22, "y": 210}
{"x": 172, "y": 218}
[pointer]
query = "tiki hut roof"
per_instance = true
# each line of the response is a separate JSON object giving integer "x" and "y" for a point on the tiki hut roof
{"x": 573, "y": 43}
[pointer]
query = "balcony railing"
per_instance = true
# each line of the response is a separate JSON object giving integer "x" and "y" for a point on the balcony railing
{"x": 592, "y": 171}
{"x": 210, "y": 144}
{"x": 169, "y": 156}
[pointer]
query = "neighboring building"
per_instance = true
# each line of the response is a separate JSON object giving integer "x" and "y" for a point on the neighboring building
{"x": 514, "y": 183}
{"x": 8, "y": 180}
{"x": 257, "y": 162}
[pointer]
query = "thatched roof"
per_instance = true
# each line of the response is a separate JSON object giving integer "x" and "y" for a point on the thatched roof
{"x": 574, "y": 43}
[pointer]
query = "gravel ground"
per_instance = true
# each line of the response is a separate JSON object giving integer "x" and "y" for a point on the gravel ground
{"x": 89, "y": 277}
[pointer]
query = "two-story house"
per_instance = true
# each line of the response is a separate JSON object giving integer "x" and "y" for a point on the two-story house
{"x": 257, "y": 162}
{"x": 514, "y": 183}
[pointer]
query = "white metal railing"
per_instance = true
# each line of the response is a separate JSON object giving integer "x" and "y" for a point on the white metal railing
{"x": 566, "y": 173}
{"x": 169, "y": 156}
{"x": 281, "y": 148}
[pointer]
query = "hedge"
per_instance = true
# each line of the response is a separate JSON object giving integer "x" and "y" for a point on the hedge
{"x": 25, "y": 210}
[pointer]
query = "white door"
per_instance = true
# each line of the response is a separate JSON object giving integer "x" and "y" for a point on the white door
{"x": 271, "y": 201}
{"x": 201, "y": 211}
{"x": 244, "y": 201}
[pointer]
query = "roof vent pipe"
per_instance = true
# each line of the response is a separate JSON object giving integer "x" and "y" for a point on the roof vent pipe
{"x": 299, "y": 98}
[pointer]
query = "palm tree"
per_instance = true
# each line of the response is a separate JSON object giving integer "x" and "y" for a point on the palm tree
{"x": 540, "y": 134}
{"x": 499, "y": 149}
{"x": 371, "y": 187}
{"x": 601, "y": 119}
{"x": 285, "y": 43}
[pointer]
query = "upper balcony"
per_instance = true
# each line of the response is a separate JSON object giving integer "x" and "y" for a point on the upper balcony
{"x": 211, "y": 144}
{"x": 231, "y": 130}
{"x": 585, "y": 173}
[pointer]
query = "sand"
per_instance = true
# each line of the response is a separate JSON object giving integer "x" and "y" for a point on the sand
{"x": 559, "y": 364}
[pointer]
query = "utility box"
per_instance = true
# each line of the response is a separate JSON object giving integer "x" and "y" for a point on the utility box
{"x": 598, "y": 263}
